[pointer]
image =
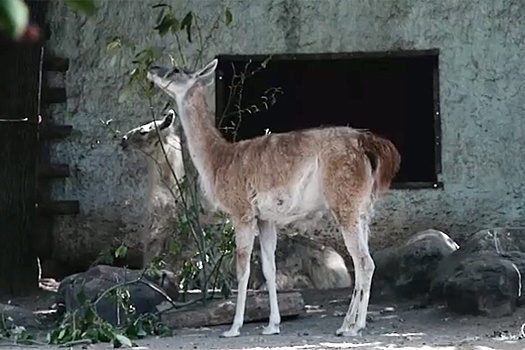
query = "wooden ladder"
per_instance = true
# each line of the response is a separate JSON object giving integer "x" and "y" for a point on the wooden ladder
{"x": 49, "y": 132}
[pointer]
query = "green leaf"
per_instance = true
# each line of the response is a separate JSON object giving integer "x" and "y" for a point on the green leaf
{"x": 229, "y": 17}
{"x": 122, "y": 339}
{"x": 160, "y": 5}
{"x": 160, "y": 15}
{"x": 173, "y": 247}
{"x": 141, "y": 333}
{"x": 187, "y": 20}
{"x": 62, "y": 334}
{"x": 81, "y": 297}
{"x": 90, "y": 315}
{"x": 14, "y": 17}
{"x": 186, "y": 24}
{"x": 148, "y": 89}
{"x": 106, "y": 333}
{"x": 91, "y": 334}
{"x": 114, "y": 44}
{"x": 175, "y": 25}
{"x": 164, "y": 26}
{"x": 121, "y": 251}
{"x": 84, "y": 6}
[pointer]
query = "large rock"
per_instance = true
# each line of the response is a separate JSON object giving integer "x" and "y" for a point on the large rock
{"x": 18, "y": 316}
{"x": 408, "y": 269}
{"x": 498, "y": 240}
{"x": 302, "y": 263}
{"x": 102, "y": 277}
{"x": 485, "y": 276}
{"x": 486, "y": 283}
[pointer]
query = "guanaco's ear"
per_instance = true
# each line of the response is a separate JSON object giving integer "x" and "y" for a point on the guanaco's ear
{"x": 168, "y": 119}
{"x": 207, "y": 71}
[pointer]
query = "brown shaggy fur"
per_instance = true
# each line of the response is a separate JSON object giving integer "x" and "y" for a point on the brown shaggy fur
{"x": 251, "y": 165}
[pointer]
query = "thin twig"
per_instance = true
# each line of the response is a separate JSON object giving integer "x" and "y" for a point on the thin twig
{"x": 76, "y": 342}
{"x": 135, "y": 281}
{"x": 179, "y": 49}
{"x": 204, "y": 43}
{"x": 198, "y": 238}
{"x": 185, "y": 304}
{"x": 18, "y": 345}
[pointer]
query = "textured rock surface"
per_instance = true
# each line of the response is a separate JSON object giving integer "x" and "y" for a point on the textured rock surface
{"x": 98, "y": 279}
{"x": 302, "y": 263}
{"x": 19, "y": 316}
{"x": 484, "y": 276}
{"x": 481, "y": 98}
{"x": 408, "y": 269}
{"x": 486, "y": 283}
{"x": 498, "y": 240}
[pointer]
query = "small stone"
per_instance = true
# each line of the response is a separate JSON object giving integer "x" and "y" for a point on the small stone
{"x": 386, "y": 310}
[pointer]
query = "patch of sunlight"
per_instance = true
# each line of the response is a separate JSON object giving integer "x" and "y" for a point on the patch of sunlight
{"x": 482, "y": 347}
{"x": 424, "y": 347}
{"x": 348, "y": 345}
{"x": 311, "y": 309}
{"x": 395, "y": 334}
{"x": 298, "y": 347}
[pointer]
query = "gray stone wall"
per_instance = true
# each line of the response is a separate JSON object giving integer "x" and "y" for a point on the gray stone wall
{"x": 481, "y": 87}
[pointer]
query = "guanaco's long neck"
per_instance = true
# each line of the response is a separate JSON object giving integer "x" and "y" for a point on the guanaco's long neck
{"x": 203, "y": 138}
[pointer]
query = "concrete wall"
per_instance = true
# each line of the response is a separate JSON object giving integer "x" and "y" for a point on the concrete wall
{"x": 481, "y": 87}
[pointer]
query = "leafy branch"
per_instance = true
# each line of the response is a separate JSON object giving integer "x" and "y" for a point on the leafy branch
{"x": 203, "y": 269}
{"x": 14, "y": 15}
{"x": 207, "y": 263}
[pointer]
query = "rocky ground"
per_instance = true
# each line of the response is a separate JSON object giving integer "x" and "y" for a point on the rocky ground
{"x": 393, "y": 325}
{"x": 426, "y": 292}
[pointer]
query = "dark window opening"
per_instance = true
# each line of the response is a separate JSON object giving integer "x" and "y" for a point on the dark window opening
{"x": 393, "y": 94}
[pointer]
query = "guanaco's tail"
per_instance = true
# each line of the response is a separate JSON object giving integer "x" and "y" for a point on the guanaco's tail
{"x": 384, "y": 158}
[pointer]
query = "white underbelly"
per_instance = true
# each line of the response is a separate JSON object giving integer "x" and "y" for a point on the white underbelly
{"x": 301, "y": 199}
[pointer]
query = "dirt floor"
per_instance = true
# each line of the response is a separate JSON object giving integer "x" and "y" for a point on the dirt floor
{"x": 391, "y": 326}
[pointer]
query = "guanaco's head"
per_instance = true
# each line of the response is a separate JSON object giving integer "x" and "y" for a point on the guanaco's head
{"x": 145, "y": 137}
{"x": 176, "y": 82}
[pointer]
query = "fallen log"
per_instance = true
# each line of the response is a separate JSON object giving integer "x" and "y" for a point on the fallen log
{"x": 222, "y": 311}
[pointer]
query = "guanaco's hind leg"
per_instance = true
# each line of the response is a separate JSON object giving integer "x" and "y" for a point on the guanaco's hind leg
{"x": 268, "y": 241}
{"x": 347, "y": 186}
{"x": 356, "y": 240}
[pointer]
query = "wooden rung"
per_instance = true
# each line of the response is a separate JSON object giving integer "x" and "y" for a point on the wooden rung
{"x": 53, "y": 170}
{"x": 54, "y": 131}
{"x": 55, "y": 64}
{"x": 59, "y": 208}
{"x": 54, "y": 95}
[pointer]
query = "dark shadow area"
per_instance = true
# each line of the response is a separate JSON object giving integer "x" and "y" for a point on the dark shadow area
{"x": 391, "y": 95}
